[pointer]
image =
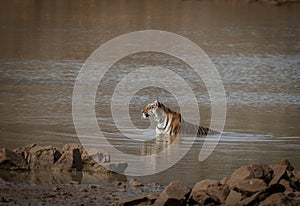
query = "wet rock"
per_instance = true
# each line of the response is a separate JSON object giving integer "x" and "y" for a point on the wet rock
{"x": 70, "y": 158}
{"x": 148, "y": 199}
{"x": 10, "y": 160}
{"x": 233, "y": 198}
{"x": 237, "y": 176}
{"x": 117, "y": 167}
{"x": 279, "y": 172}
{"x": 176, "y": 193}
{"x": 251, "y": 186}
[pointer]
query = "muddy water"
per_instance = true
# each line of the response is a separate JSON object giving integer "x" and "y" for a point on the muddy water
{"x": 255, "y": 48}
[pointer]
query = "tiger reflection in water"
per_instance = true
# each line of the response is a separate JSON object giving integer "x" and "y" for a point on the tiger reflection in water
{"x": 171, "y": 123}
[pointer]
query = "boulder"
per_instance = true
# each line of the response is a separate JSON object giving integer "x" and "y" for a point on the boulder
{"x": 279, "y": 172}
{"x": 148, "y": 199}
{"x": 42, "y": 157}
{"x": 24, "y": 151}
{"x": 288, "y": 165}
{"x": 237, "y": 176}
{"x": 280, "y": 199}
{"x": 218, "y": 193}
{"x": 10, "y": 160}
{"x": 176, "y": 193}
{"x": 199, "y": 194}
{"x": 233, "y": 198}
{"x": 251, "y": 186}
{"x": 70, "y": 158}
{"x": 295, "y": 180}
{"x": 252, "y": 200}
{"x": 261, "y": 171}
{"x": 286, "y": 185}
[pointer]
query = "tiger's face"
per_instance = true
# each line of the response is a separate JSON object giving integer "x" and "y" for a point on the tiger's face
{"x": 150, "y": 110}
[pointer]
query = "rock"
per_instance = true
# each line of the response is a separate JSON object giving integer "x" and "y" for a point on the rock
{"x": 176, "y": 193}
{"x": 117, "y": 167}
{"x": 204, "y": 184}
{"x": 134, "y": 183}
{"x": 279, "y": 172}
{"x": 24, "y": 151}
{"x": 286, "y": 185}
{"x": 296, "y": 180}
{"x": 288, "y": 165}
{"x": 261, "y": 171}
{"x": 237, "y": 176}
{"x": 280, "y": 199}
{"x": 148, "y": 199}
{"x": 233, "y": 198}
{"x": 42, "y": 157}
{"x": 252, "y": 200}
{"x": 10, "y": 160}
{"x": 218, "y": 193}
{"x": 70, "y": 158}
{"x": 251, "y": 186}
{"x": 99, "y": 155}
{"x": 120, "y": 186}
{"x": 199, "y": 194}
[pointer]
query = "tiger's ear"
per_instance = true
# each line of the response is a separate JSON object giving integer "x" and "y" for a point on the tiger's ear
{"x": 158, "y": 103}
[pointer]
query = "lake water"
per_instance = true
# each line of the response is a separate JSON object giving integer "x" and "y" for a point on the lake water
{"x": 255, "y": 48}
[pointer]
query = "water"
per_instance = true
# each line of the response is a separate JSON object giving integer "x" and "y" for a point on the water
{"x": 254, "y": 47}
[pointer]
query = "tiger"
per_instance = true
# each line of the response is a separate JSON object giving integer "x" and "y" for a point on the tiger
{"x": 169, "y": 122}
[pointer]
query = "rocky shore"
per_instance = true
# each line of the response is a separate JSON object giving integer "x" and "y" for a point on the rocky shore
{"x": 71, "y": 157}
{"x": 256, "y": 184}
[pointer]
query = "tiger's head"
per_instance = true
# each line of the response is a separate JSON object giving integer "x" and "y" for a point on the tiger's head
{"x": 151, "y": 110}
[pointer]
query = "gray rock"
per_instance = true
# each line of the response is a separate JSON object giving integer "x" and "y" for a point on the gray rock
{"x": 10, "y": 160}
{"x": 176, "y": 193}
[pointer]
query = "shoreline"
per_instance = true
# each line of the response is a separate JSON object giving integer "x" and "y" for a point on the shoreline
{"x": 37, "y": 175}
